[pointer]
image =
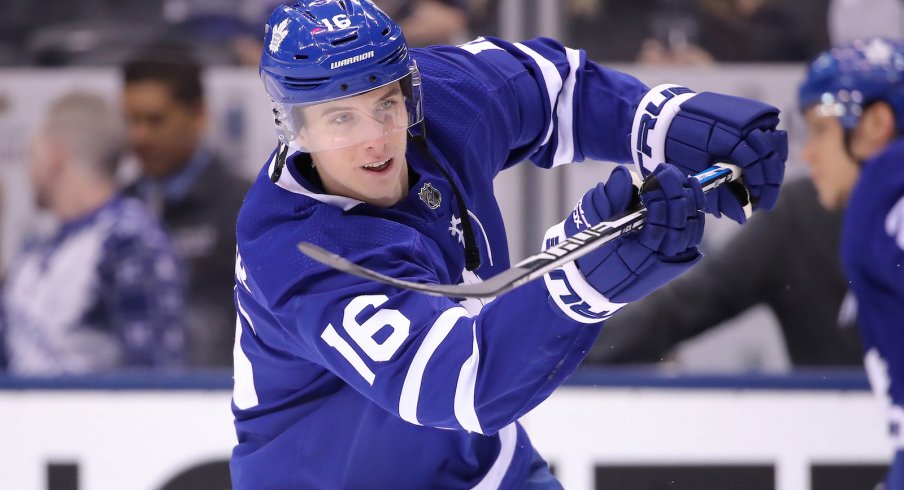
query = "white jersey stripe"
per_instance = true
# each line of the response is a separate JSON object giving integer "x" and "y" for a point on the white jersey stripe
{"x": 465, "y": 411}
{"x": 552, "y": 79}
{"x": 411, "y": 388}
{"x": 508, "y": 436}
{"x": 478, "y": 45}
{"x": 565, "y": 112}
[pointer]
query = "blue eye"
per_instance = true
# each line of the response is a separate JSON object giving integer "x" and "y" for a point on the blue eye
{"x": 341, "y": 118}
{"x": 387, "y": 104}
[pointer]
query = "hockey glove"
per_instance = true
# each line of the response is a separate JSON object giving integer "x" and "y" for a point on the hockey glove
{"x": 693, "y": 131}
{"x": 634, "y": 265}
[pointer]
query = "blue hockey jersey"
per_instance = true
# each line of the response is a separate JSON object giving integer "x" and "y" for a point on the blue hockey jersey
{"x": 101, "y": 292}
{"x": 346, "y": 383}
{"x": 873, "y": 258}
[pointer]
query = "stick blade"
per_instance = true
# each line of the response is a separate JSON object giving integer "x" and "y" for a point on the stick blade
{"x": 486, "y": 289}
{"x": 531, "y": 268}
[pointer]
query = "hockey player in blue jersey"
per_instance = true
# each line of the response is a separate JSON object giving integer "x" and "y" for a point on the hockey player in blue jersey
{"x": 853, "y": 102}
{"x": 387, "y": 158}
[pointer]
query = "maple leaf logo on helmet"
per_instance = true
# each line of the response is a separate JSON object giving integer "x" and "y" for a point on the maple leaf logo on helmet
{"x": 279, "y": 33}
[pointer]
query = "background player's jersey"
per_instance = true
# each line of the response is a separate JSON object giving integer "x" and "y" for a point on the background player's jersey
{"x": 873, "y": 255}
{"x": 101, "y": 292}
{"x": 347, "y": 383}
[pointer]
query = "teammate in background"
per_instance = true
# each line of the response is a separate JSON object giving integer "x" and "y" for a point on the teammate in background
{"x": 853, "y": 101}
{"x": 103, "y": 290}
{"x": 189, "y": 187}
{"x": 387, "y": 157}
{"x": 790, "y": 264}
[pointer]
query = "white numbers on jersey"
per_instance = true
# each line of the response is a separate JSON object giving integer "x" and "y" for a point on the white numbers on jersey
{"x": 244, "y": 393}
{"x": 340, "y": 21}
{"x": 363, "y": 333}
{"x": 240, "y": 274}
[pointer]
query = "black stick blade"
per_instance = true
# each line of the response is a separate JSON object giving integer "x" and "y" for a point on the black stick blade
{"x": 535, "y": 266}
{"x": 490, "y": 288}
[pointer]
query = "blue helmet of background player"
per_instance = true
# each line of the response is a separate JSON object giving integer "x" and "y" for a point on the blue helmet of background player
{"x": 318, "y": 51}
{"x": 845, "y": 79}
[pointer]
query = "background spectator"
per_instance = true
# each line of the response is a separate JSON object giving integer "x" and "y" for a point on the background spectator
{"x": 791, "y": 265}
{"x": 760, "y": 30}
{"x": 704, "y": 31}
{"x": 102, "y": 290}
{"x": 426, "y": 22}
{"x": 189, "y": 186}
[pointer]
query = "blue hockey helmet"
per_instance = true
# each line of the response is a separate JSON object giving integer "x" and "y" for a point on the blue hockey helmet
{"x": 841, "y": 81}
{"x": 321, "y": 51}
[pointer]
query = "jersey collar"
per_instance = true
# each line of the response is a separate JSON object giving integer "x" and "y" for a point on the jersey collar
{"x": 290, "y": 181}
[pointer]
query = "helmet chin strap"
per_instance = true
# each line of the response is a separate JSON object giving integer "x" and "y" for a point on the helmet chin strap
{"x": 472, "y": 251}
{"x": 282, "y": 152}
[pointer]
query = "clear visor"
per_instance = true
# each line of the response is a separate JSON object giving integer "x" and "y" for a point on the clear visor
{"x": 348, "y": 121}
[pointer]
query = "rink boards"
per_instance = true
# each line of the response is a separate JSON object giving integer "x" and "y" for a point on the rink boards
{"x": 616, "y": 431}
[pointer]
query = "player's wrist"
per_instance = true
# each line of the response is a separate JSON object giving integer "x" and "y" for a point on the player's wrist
{"x": 570, "y": 291}
{"x": 652, "y": 120}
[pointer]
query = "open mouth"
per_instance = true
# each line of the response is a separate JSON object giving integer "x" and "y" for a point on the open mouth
{"x": 378, "y": 166}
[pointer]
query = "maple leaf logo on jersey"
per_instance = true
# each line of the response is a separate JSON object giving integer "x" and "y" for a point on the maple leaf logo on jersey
{"x": 455, "y": 229}
{"x": 280, "y": 31}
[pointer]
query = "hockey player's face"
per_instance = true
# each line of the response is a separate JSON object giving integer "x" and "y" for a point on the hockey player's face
{"x": 833, "y": 170}
{"x": 163, "y": 132}
{"x": 374, "y": 168}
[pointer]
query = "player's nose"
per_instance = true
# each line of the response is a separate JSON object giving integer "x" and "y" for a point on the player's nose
{"x": 376, "y": 134}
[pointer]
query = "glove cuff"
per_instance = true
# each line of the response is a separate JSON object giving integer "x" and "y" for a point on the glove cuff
{"x": 652, "y": 119}
{"x": 571, "y": 292}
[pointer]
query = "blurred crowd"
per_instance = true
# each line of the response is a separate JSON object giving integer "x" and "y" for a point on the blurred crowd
{"x": 228, "y": 32}
{"x": 136, "y": 269}
{"x": 135, "y": 266}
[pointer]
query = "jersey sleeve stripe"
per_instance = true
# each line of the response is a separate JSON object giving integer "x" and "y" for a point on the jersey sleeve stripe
{"x": 411, "y": 388}
{"x": 565, "y": 112}
{"x": 465, "y": 411}
{"x": 551, "y": 78}
{"x": 478, "y": 45}
{"x": 508, "y": 436}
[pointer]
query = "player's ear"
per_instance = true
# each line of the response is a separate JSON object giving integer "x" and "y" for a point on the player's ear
{"x": 879, "y": 119}
{"x": 874, "y": 130}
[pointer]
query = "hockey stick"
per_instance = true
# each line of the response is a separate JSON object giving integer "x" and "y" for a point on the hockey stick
{"x": 533, "y": 267}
